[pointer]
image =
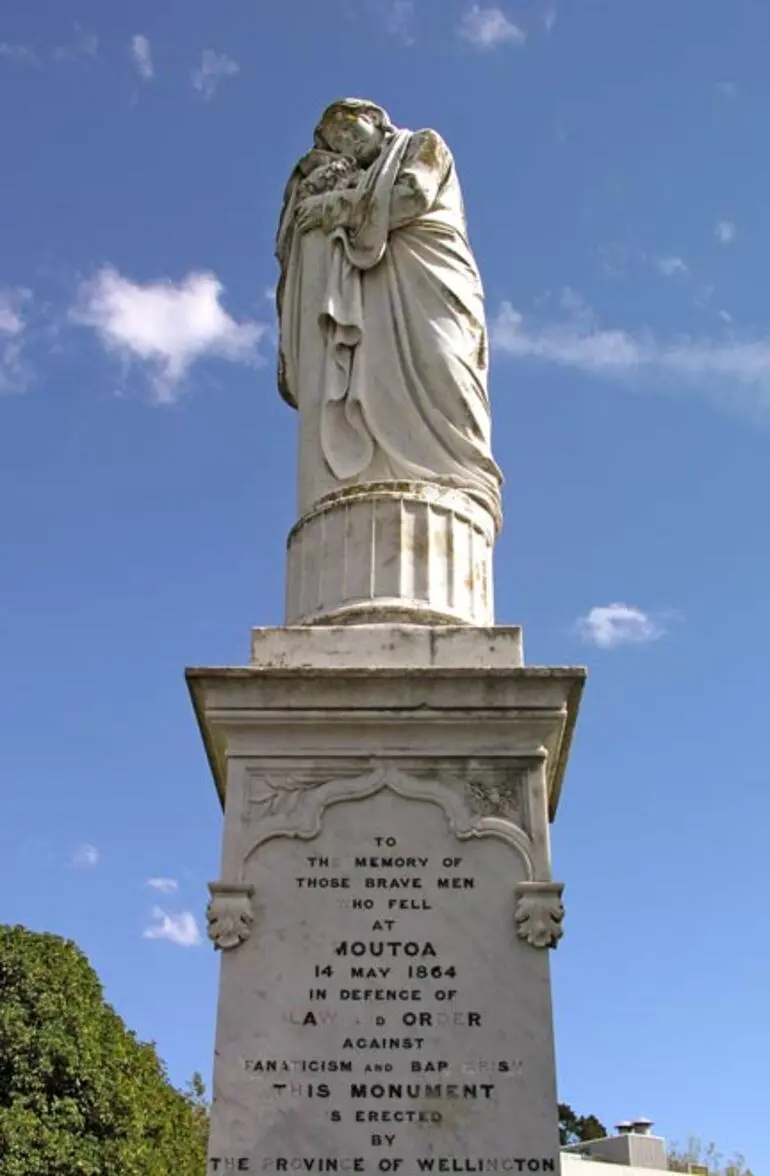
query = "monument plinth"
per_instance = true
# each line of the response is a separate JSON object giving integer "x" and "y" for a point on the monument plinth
{"x": 387, "y": 764}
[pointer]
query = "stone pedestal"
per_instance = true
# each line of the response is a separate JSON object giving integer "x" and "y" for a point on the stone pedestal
{"x": 385, "y": 903}
{"x": 392, "y": 551}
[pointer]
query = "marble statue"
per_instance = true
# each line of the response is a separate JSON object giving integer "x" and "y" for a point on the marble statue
{"x": 383, "y": 342}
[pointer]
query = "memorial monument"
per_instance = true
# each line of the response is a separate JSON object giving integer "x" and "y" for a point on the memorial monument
{"x": 387, "y": 764}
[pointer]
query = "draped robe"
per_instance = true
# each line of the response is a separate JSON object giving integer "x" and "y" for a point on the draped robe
{"x": 383, "y": 341}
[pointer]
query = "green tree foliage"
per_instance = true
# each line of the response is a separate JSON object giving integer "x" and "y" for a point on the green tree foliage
{"x": 707, "y": 1157}
{"x": 578, "y": 1128}
{"x": 79, "y": 1094}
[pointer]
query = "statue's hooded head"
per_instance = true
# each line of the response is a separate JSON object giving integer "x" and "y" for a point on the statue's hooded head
{"x": 355, "y": 127}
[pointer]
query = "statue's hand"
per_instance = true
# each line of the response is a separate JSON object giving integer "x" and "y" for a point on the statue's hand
{"x": 310, "y": 214}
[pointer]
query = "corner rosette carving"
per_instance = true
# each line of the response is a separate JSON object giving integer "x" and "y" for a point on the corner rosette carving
{"x": 539, "y": 913}
{"x": 497, "y": 794}
{"x": 229, "y": 914}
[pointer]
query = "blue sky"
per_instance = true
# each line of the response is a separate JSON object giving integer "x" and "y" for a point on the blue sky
{"x": 612, "y": 155}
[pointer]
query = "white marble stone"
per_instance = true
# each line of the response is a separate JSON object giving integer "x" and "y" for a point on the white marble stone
{"x": 363, "y": 689}
{"x": 387, "y": 764}
{"x": 383, "y": 342}
{"x": 388, "y": 647}
{"x": 375, "y": 1001}
{"x": 439, "y": 743}
{"x": 391, "y": 552}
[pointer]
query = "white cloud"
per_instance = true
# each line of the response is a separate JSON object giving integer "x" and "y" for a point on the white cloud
{"x": 141, "y": 56}
{"x": 734, "y": 368}
{"x": 163, "y": 325}
{"x": 214, "y": 68}
{"x": 487, "y": 27}
{"x": 549, "y": 18}
{"x": 14, "y": 374}
{"x": 180, "y": 929}
{"x": 617, "y": 260}
{"x": 670, "y": 266}
{"x": 84, "y": 856}
{"x": 727, "y": 89}
{"x": 725, "y": 232}
{"x": 24, "y": 54}
{"x": 398, "y": 17}
{"x": 84, "y": 44}
{"x": 163, "y": 885}
{"x": 576, "y": 342}
{"x": 610, "y": 625}
{"x": 11, "y": 322}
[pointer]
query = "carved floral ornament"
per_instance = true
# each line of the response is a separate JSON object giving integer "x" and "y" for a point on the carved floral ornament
{"x": 229, "y": 914}
{"x": 292, "y": 804}
{"x": 539, "y": 913}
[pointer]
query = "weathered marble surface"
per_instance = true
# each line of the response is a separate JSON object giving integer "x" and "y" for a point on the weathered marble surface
{"x": 383, "y": 351}
{"x": 440, "y": 743}
{"x": 406, "y": 551}
{"x": 383, "y": 1008}
{"x": 387, "y": 764}
{"x": 389, "y": 647}
{"x": 383, "y": 340}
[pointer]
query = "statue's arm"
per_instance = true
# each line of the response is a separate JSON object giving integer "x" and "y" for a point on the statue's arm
{"x": 426, "y": 164}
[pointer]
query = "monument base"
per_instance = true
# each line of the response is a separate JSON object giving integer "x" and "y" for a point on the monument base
{"x": 386, "y": 900}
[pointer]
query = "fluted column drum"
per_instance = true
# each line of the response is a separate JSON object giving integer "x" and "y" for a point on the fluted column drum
{"x": 391, "y": 551}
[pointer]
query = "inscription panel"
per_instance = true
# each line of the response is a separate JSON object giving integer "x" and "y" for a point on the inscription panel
{"x": 383, "y": 1016}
